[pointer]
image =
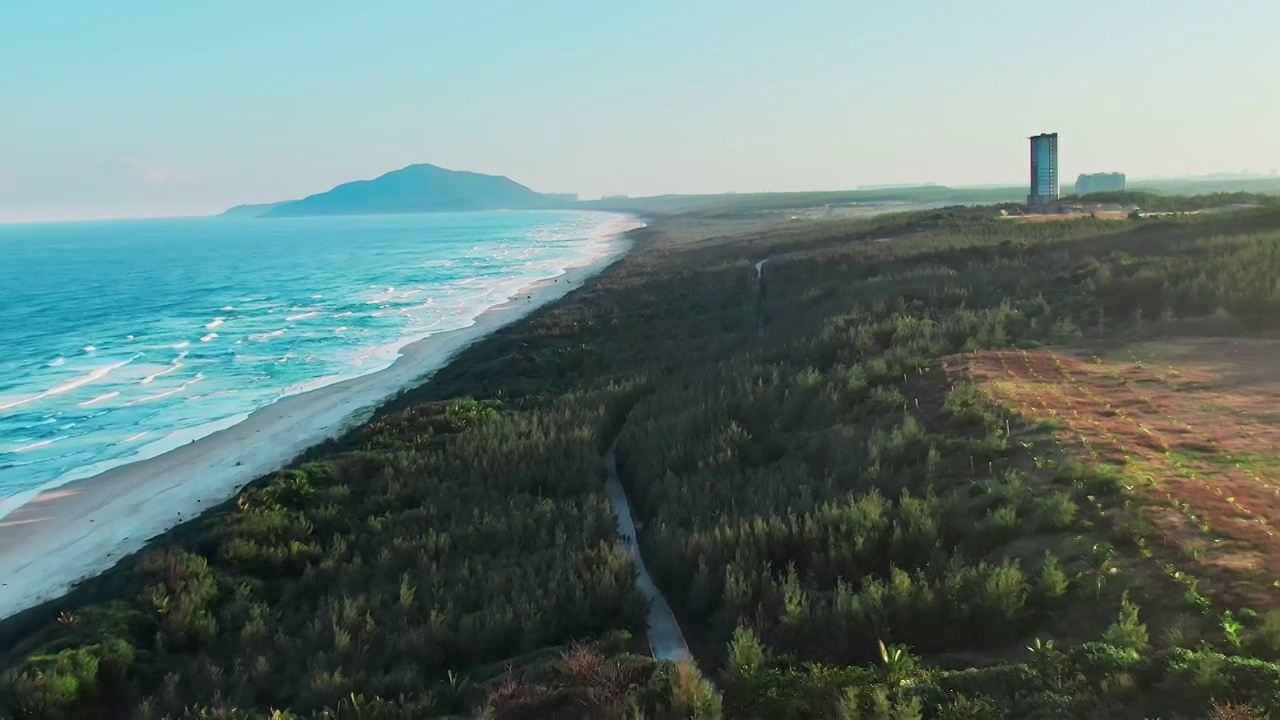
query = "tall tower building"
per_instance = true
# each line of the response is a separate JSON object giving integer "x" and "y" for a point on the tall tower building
{"x": 1044, "y": 169}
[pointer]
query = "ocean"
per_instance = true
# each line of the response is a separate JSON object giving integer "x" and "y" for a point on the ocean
{"x": 121, "y": 340}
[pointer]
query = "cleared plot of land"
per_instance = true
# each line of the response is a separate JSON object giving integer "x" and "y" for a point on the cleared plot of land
{"x": 1194, "y": 426}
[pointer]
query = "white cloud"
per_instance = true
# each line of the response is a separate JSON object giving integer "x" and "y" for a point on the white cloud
{"x": 154, "y": 172}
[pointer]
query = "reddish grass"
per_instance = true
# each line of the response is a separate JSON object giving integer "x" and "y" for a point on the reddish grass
{"x": 1231, "y": 710}
{"x": 581, "y": 662}
{"x": 1192, "y": 431}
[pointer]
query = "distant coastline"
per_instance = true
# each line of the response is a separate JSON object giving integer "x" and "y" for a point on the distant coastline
{"x": 250, "y": 211}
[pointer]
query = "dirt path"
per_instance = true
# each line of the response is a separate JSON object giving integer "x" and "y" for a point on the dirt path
{"x": 666, "y": 641}
{"x": 762, "y": 300}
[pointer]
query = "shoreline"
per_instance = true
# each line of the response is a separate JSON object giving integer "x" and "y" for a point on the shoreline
{"x": 72, "y": 532}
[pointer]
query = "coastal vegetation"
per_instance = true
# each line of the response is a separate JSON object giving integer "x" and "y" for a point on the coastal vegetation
{"x": 1170, "y": 194}
{"x": 1157, "y": 202}
{"x": 918, "y": 466}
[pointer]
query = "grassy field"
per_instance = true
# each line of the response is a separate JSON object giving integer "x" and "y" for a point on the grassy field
{"x": 925, "y": 465}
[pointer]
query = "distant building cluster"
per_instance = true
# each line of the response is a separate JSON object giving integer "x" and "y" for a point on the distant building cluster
{"x": 1045, "y": 189}
{"x": 1044, "y": 169}
{"x": 1099, "y": 183}
{"x": 562, "y": 197}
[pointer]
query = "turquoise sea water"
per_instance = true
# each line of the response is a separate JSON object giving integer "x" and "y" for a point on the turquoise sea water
{"x": 121, "y": 340}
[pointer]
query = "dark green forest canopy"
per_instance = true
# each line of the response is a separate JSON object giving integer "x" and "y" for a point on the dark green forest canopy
{"x": 840, "y": 531}
{"x": 1157, "y": 202}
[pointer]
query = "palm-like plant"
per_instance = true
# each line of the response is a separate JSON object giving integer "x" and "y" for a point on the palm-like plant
{"x": 1102, "y": 565}
{"x": 900, "y": 665}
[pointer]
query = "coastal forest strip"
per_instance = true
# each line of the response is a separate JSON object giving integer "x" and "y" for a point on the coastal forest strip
{"x": 945, "y": 483}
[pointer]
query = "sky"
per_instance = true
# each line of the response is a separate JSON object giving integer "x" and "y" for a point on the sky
{"x": 135, "y": 108}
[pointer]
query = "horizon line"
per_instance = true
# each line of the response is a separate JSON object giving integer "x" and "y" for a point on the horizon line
{"x": 888, "y": 186}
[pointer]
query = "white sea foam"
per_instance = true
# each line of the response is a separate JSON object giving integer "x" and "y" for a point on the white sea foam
{"x": 93, "y": 376}
{"x": 90, "y": 348}
{"x": 57, "y": 362}
{"x": 209, "y": 338}
{"x": 35, "y": 446}
{"x": 387, "y": 293}
{"x": 168, "y": 393}
{"x": 214, "y": 323}
{"x": 177, "y": 363}
{"x": 139, "y": 436}
{"x": 180, "y": 345}
{"x": 100, "y": 398}
{"x": 263, "y": 337}
{"x": 303, "y": 316}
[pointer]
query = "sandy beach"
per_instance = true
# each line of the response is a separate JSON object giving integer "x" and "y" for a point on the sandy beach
{"x": 83, "y": 528}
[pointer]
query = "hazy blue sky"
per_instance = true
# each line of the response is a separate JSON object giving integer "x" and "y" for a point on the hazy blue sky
{"x": 142, "y": 107}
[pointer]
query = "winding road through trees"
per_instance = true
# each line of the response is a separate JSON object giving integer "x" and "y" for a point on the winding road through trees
{"x": 666, "y": 641}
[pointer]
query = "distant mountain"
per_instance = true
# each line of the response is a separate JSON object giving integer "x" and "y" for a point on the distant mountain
{"x": 419, "y": 189}
{"x": 250, "y": 210}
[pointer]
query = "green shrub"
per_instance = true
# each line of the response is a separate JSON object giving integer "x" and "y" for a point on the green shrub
{"x": 885, "y": 399}
{"x": 1065, "y": 332}
{"x": 1003, "y": 596}
{"x": 1127, "y": 631}
{"x": 1052, "y": 583}
{"x": 1000, "y": 683}
{"x": 747, "y": 655}
{"x": 68, "y": 683}
{"x": 1001, "y": 525}
{"x": 1263, "y": 640}
{"x": 877, "y": 703}
{"x": 1099, "y": 661}
{"x": 963, "y": 707}
{"x": 692, "y": 696}
{"x": 969, "y": 408}
{"x": 1057, "y": 510}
